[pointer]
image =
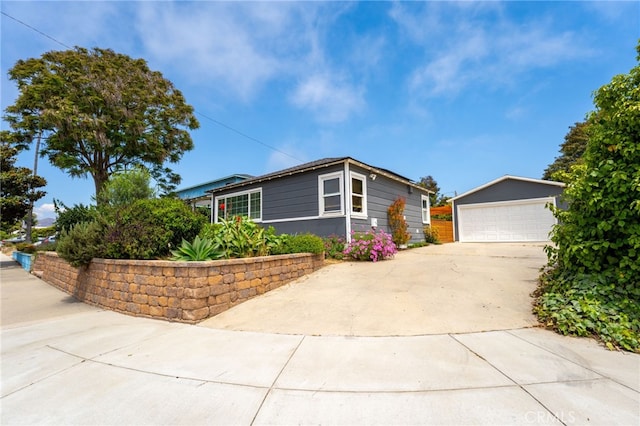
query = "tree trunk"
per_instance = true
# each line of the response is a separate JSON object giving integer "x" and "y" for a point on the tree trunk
{"x": 100, "y": 177}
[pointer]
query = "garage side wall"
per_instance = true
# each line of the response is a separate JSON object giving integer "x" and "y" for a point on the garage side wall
{"x": 507, "y": 190}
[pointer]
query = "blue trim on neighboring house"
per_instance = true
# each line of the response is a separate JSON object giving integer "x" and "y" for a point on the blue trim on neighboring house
{"x": 198, "y": 191}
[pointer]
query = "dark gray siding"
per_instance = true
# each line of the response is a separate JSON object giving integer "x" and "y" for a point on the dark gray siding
{"x": 507, "y": 190}
{"x": 296, "y": 196}
{"x": 320, "y": 227}
{"x": 511, "y": 189}
{"x": 381, "y": 193}
{"x": 293, "y": 197}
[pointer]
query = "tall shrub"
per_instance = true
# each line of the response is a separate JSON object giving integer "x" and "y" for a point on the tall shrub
{"x": 593, "y": 284}
{"x": 397, "y": 222}
{"x": 150, "y": 229}
{"x": 600, "y": 231}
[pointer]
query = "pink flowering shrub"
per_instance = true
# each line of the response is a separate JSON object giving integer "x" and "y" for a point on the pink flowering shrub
{"x": 370, "y": 245}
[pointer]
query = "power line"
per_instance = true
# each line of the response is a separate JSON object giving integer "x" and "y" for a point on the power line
{"x": 36, "y": 30}
{"x": 219, "y": 123}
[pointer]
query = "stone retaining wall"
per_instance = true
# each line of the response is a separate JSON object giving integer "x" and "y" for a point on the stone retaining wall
{"x": 175, "y": 291}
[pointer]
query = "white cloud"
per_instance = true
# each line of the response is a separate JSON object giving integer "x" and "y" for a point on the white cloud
{"x": 45, "y": 210}
{"x": 212, "y": 44}
{"x": 482, "y": 46}
{"x": 278, "y": 160}
{"x": 332, "y": 100}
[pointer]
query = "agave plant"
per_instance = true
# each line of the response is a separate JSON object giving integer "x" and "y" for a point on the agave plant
{"x": 200, "y": 249}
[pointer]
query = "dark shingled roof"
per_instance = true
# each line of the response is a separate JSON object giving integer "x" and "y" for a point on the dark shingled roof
{"x": 312, "y": 165}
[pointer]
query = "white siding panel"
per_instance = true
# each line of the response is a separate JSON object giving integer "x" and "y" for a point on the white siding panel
{"x": 509, "y": 221}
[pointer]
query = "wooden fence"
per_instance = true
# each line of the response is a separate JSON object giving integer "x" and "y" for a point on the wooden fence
{"x": 443, "y": 227}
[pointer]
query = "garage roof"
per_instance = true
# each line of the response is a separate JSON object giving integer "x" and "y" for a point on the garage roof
{"x": 507, "y": 177}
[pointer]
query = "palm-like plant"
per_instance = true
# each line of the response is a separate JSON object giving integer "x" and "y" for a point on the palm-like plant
{"x": 200, "y": 249}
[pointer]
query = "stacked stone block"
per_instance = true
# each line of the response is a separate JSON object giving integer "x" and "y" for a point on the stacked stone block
{"x": 176, "y": 291}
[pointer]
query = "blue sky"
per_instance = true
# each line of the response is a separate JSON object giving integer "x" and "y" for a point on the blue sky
{"x": 463, "y": 91}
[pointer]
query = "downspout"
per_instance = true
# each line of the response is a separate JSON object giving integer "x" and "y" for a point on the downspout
{"x": 347, "y": 201}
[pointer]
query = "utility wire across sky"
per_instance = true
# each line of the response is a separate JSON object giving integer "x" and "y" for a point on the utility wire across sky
{"x": 219, "y": 123}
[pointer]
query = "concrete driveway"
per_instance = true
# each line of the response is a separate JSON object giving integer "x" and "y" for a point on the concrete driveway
{"x": 64, "y": 362}
{"x": 450, "y": 288}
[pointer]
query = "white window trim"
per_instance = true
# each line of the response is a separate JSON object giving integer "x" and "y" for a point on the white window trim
{"x": 422, "y": 198}
{"x": 321, "y": 195}
{"x": 363, "y": 178}
{"x": 236, "y": 194}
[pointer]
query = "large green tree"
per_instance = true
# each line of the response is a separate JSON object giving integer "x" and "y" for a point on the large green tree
{"x": 571, "y": 152}
{"x": 101, "y": 111}
{"x": 19, "y": 187}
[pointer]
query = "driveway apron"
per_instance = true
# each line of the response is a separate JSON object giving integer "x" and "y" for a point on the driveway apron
{"x": 69, "y": 363}
{"x": 450, "y": 288}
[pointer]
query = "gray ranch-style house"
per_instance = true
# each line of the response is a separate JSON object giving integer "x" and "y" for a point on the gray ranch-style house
{"x": 332, "y": 196}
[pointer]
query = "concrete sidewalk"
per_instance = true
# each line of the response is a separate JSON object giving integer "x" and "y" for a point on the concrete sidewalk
{"x": 67, "y": 363}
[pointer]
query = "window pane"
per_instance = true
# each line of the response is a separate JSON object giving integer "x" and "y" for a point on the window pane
{"x": 255, "y": 205}
{"x": 424, "y": 203}
{"x": 331, "y": 186}
{"x": 221, "y": 205}
{"x": 356, "y": 186}
{"x": 238, "y": 206}
{"x": 332, "y": 203}
{"x": 356, "y": 203}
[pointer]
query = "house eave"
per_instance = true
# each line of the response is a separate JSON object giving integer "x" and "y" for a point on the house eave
{"x": 337, "y": 161}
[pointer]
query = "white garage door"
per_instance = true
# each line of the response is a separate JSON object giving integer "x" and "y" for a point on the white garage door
{"x": 521, "y": 220}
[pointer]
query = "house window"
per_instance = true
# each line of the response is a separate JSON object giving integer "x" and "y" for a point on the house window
{"x": 426, "y": 212}
{"x": 330, "y": 194}
{"x": 358, "y": 195}
{"x": 247, "y": 204}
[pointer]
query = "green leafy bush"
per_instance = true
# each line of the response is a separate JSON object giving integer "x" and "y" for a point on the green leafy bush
{"x": 26, "y": 248}
{"x": 200, "y": 249}
{"x": 50, "y": 246}
{"x": 150, "y": 229}
{"x": 241, "y": 237}
{"x": 593, "y": 283}
{"x": 430, "y": 234}
{"x": 306, "y": 243}
{"x": 43, "y": 232}
{"x": 334, "y": 247}
{"x": 589, "y": 305}
{"x": 81, "y": 243}
{"x": 68, "y": 217}
{"x": 124, "y": 187}
{"x": 446, "y": 216}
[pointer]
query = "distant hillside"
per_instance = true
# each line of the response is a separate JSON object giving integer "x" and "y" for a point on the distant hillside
{"x": 45, "y": 223}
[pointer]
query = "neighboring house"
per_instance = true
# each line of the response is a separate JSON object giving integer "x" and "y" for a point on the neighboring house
{"x": 197, "y": 195}
{"x": 332, "y": 196}
{"x": 508, "y": 209}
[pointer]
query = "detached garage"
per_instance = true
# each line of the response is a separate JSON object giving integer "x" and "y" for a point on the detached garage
{"x": 508, "y": 209}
